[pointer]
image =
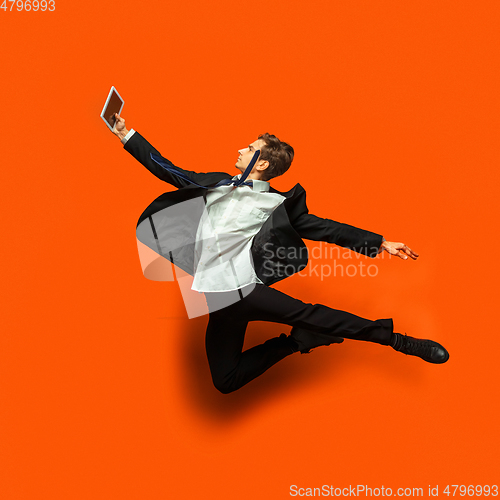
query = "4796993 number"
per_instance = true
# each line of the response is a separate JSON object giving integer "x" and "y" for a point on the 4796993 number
{"x": 28, "y": 5}
{"x": 470, "y": 491}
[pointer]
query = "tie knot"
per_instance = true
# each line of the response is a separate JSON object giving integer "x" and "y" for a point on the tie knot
{"x": 237, "y": 183}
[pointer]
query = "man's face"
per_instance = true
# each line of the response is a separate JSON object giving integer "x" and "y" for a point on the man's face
{"x": 247, "y": 153}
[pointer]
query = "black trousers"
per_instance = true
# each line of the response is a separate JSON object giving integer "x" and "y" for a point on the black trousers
{"x": 231, "y": 368}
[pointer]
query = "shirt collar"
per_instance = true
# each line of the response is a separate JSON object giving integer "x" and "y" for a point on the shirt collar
{"x": 258, "y": 186}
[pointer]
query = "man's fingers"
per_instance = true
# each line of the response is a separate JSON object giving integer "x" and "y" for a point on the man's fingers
{"x": 410, "y": 252}
{"x": 401, "y": 250}
{"x": 394, "y": 251}
{"x": 402, "y": 255}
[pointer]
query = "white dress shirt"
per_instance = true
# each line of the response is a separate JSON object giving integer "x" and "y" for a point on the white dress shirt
{"x": 233, "y": 216}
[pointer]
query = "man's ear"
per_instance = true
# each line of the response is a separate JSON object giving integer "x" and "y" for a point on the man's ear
{"x": 262, "y": 165}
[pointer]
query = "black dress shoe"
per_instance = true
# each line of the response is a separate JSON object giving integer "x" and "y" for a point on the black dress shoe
{"x": 428, "y": 350}
{"x": 307, "y": 339}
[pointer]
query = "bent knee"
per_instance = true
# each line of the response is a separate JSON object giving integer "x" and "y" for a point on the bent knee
{"x": 224, "y": 385}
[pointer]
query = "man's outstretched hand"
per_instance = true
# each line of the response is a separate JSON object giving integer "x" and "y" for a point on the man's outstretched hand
{"x": 399, "y": 249}
{"x": 119, "y": 129}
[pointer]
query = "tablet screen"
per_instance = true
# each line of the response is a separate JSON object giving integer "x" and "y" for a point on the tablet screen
{"x": 114, "y": 104}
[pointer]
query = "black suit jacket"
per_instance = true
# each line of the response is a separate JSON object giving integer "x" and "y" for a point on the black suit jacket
{"x": 168, "y": 225}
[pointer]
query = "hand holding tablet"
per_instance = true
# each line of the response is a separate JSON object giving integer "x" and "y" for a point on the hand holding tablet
{"x": 119, "y": 129}
{"x": 114, "y": 104}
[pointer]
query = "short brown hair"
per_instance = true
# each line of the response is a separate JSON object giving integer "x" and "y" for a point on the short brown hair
{"x": 279, "y": 155}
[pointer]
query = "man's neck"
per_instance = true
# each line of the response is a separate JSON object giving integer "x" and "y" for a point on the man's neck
{"x": 252, "y": 177}
{"x": 255, "y": 177}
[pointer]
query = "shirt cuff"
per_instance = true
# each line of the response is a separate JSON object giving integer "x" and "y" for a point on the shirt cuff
{"x": 131, "y": 132}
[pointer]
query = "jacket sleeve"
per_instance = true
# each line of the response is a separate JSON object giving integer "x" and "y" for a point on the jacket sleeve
{"x": 311, "y": 227}
{"x": 141, "y": 150}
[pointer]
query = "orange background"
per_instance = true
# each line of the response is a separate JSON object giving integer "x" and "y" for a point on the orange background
{"x": 393, "y": 110}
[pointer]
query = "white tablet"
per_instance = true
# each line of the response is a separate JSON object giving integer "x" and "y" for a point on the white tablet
{"x": 114, "y": 104}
